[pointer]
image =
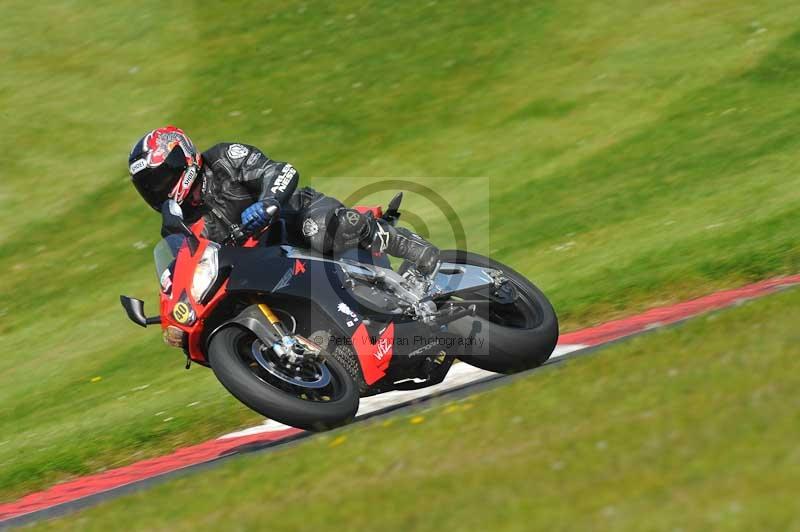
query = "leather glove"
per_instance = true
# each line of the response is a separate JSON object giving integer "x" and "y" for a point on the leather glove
{"x": 260, "y": 214}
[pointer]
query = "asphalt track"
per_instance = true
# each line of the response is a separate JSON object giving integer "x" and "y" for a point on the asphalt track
{"x": 462, "y": 380}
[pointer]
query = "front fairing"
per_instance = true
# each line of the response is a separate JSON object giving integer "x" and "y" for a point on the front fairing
{"x": 178, "y": 307}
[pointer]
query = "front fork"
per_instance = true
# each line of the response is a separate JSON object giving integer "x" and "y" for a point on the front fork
{"x": 284, "y": 342}
{"x": 286, "y": 345}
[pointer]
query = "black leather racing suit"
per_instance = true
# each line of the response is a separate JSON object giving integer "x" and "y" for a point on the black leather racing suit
{"x": 234, "y": 176}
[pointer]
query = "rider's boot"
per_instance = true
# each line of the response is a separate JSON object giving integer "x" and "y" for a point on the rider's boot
{"x": 400, "y": 242}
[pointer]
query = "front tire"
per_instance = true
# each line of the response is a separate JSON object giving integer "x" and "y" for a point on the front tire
{"x": 239, "y": 374}
{"x": 500, "y": 341}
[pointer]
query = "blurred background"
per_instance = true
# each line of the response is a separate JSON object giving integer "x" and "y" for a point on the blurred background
{"x": 633, "y": 154}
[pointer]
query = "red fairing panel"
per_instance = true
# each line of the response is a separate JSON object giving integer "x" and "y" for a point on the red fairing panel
{"x": 376, "y": 210}
{"x": 374, "y": 357}
{"x": 181, "y": 283}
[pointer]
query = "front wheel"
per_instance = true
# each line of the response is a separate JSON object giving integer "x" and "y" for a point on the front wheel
{"x": 506, "y": 336}
{"x": 319, "y": 396}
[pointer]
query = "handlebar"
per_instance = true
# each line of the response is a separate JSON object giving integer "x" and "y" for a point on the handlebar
{"x": 239, "y": 235}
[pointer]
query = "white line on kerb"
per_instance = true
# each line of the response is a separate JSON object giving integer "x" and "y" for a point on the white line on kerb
{"x": 459, "y": 375}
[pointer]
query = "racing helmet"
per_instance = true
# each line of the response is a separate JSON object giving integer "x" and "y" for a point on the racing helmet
{"x": 164, "y": 164}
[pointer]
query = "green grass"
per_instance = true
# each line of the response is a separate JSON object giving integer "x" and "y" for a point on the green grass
{"x": 621, "y": 154}
{"x": 692, "y": 428}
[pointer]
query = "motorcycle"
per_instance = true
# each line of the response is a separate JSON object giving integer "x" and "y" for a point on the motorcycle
{"x": 300, "y": 337}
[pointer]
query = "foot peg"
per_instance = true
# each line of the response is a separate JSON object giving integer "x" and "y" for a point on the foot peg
{"x": 448, "y": 315}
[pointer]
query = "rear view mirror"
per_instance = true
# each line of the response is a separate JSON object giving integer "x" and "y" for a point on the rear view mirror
{"x": 135, "y": 310}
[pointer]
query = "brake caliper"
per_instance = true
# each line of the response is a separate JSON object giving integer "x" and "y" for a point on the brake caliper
{"x": 505, "y": 292}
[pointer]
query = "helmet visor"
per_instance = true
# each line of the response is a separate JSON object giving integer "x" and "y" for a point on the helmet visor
{"x": 155, "y": 184}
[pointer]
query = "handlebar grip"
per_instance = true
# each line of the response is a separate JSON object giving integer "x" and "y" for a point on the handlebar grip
{"x": 238, "y": 235}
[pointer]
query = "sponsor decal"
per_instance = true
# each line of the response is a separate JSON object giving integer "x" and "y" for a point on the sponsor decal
{"x": 138, "y": 166}
{"x": 188, "y": 177}
{"x": 166, "y": 280}
{"x": 237, "y": 151}
{"x": 283, "y": 180}
{"x": 374, "y": 357}
{"x": 424, "y": 349}
{"x": 382, "y": 348}
{"x": 252, "y": 159}
{"x": 298, "y": 268}
{"x": 352, "y": 217}
{"x": 284, "y": 281}
{"x": 182, "y": 312}
{"x": 383, "y": 237}
{"x": 310, "y": 227}
{"x": 344, "y": 309}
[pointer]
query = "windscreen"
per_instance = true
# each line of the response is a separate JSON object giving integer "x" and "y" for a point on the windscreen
{"x": 166, "y": 251}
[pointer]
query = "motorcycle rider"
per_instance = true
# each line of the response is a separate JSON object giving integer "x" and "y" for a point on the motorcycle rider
{"x": 232, "y": 182}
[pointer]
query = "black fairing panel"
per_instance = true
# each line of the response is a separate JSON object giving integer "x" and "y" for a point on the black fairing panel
{"x": 269, "y": 271}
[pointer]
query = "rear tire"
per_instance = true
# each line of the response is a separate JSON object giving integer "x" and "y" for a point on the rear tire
{"x": 500, "y": 348}
{"x": 236, "y": 375}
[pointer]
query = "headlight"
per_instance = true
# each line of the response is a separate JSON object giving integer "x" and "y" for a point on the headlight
{"x": 206, "y": 272}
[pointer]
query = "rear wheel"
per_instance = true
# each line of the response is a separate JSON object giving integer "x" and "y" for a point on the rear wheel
{"x": 513, "y": 330}
{"x": 315, "y": 395}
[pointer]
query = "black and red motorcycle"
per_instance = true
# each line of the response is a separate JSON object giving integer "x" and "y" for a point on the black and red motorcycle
{"x": 299, "y": 336}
